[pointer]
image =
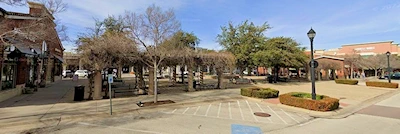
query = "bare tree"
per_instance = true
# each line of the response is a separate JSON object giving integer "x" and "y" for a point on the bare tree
{"x": 326, "y": 66}
{"x": 352, "y": 58}
{"x": 105, "y": 51}
{"x": 13, "y": 2}
{"x": 150, "y": 30}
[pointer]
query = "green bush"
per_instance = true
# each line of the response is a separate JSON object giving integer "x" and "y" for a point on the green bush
{"x": 259, "y": 92}
{"x": 248, "y": 91}
{"x": 346, "y": 81}
{"x": 306, "y": 95}
{"x": 266, "y": 93}
{"x": 382, "y": 84}
{"x": 303, "y": 100}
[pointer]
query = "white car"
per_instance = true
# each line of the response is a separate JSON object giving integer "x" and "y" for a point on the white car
{"x": 81, "y": 73}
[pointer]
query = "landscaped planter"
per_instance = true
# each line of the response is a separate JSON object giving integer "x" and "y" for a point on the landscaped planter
{"x": 345, "y": 81}
{"x": 303, "y": 100}
{"x": 259, "y": 92}
{"x": 382, "y": 84}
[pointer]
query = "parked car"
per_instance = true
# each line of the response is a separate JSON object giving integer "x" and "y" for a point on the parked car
{"x": 67, "y": 73}
{"x": 395, "y": 75}
{"x": 82, "y": 73}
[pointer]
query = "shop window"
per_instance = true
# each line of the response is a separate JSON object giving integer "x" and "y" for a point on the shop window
{"x": 8, "y": 76}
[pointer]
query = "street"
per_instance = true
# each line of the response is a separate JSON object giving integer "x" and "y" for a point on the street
{"x": 234, "y": 117}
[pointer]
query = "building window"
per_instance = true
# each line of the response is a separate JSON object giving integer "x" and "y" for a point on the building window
{"x": 8, "y": 76}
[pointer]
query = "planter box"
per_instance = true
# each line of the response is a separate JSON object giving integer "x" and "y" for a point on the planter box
{"x": 345, "y": 81}
{"x": 382, "y": 84}
{"x": 303, "y": 100}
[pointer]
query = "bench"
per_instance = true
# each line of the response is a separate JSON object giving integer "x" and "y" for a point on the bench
{"x": 123, "y": 89}
{"x": 240, "y": 81}
{"x": 205, "y": 86}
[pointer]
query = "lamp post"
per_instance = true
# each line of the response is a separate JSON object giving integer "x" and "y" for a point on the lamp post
{"x": 311, "y": 34}
{"x": 388, "y": 63}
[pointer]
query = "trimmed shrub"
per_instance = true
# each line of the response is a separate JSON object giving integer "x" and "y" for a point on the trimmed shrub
{"x": 248, "y": 91}
{"x": 259, "y": 92}
{"x": 346, "y": 81}
{"x": 266, "y": 93}
{"x": 303, "y": 100}
{"x": 382, "y": 84}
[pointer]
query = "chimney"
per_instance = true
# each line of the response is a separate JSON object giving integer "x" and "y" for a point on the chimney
{"x": 36, "y": 9}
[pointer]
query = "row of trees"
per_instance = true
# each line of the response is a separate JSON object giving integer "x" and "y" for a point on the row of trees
{"x": 152, "y": 39}
{"x": 253, "y": 49}
{"x": 373, "y": 62}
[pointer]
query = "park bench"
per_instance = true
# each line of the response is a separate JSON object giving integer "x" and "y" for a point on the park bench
{"x": 240, "y": 81}
{"x": 205, "y": 86}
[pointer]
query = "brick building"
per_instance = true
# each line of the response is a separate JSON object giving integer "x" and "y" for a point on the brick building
{"x": 31, "y": 51}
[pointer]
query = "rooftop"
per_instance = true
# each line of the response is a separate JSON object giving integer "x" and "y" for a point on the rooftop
{"x": 368, "y": 43}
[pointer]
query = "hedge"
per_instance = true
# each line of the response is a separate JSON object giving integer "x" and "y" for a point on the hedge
{"x": 259, "y": 92}
{"x": 345, "y": 81}
{"x": 303, "y": 100}
{"x": 382, "y": 84}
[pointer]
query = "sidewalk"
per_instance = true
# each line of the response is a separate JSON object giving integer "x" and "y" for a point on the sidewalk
{"x": 50, "y": 105}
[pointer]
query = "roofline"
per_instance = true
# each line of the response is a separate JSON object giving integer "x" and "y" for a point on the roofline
{"x": 329, "y": 57}
{"x": 368, "y": 43}
{"x": 30, "y": 3}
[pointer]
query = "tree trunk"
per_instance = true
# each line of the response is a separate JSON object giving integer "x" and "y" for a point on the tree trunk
{"x": 376, "y": 73}
{"x": 173, "y": 75}
{"x": 91, "y": 82}
{"x": 190, "y": 78}
{"x": 241, "y": 72}
{"x": 201, "y": 76}
{"x": 249, "y": 70}
{"x": 141, "y": 82}
{"x": 119, "y": 71}
{"x": 327, "y": 74}
{"x": 155, "y": 82}
{"x": 319, "y": 75}
{"x": 183, "y": 75}
{"x": 151, "y": 81}
{"x": 219, "y": 78}
{"x": 276, "y": 77}
{"x": 334, "y": 74}
{"x": 351, "y": 71}
{"x": 97, "y": 86}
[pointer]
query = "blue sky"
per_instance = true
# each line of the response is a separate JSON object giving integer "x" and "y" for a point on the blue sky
{"x": 336, "y": 22}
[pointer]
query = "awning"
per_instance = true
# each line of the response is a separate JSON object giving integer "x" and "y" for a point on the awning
{"x": 23, "y": 49}
{"x": 59, "y": 58}
{"x": 37, "y": 50}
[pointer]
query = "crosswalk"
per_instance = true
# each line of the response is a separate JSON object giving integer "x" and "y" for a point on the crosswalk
{"x": 242, "y": 110}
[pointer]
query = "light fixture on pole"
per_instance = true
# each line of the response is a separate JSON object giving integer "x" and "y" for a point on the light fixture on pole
{"x": 311, "y": 34}
{"x": 388, "y": 67}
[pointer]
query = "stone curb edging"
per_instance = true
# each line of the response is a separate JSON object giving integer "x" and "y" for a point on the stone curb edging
{"x": 106, "y": 114}
{"x": 337, "y": 114}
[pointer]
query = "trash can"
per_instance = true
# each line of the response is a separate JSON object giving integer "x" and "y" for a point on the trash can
{"x": 79, "y": 93}
{"x": 270, "y": 78}
{"x": 194, "y": 84}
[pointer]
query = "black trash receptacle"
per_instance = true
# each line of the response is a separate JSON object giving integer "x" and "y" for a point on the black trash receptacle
{"x": 194, "y": 84}
{"x": 270, "y": 78}
{"x": 79, "y": 93}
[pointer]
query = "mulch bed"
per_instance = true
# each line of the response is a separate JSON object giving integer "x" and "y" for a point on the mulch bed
{"x": 151, "y": 103}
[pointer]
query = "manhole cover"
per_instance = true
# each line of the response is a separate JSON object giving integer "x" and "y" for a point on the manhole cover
{"x": 262, "y": 114}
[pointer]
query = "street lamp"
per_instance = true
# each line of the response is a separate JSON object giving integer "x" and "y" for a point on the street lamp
{"x": 311, "y": 34}
{"x": 388, "y": 63}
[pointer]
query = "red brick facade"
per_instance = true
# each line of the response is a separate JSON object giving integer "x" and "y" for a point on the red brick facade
{"x": 42, "y": 29}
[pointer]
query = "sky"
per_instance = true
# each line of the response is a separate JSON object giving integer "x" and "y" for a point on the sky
{"x": 336, "y": 22}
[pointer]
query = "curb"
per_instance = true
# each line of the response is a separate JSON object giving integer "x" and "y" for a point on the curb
{"x": 140, "y": 110}
{"x": 337, "y": 114}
